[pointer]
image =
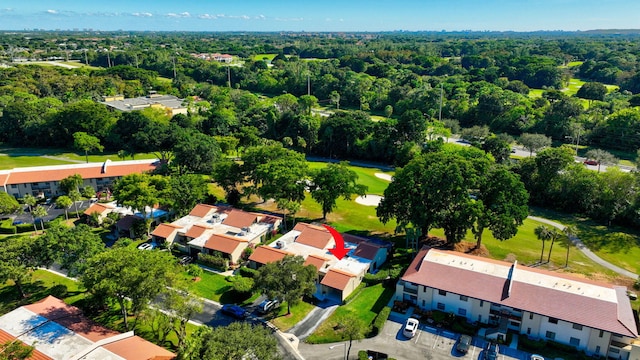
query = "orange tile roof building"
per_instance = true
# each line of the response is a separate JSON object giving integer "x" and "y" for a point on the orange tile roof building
{"x": 213, "y": 229}
{"x": 593, "y": 317}
{"x": 43, "y": 181}
{"x": 61, "y": 331}
{"x": 337, "y": 278}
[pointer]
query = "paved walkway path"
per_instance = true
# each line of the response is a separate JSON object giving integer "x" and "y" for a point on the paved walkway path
{"x": 585, "y": 250}
{"x": 64, "y": 159}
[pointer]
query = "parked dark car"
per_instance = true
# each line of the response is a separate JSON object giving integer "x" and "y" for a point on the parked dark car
{"x": 185, "y": 260}
{"x": 491, "y": 351}
{"x": 234, "y": 311}
{"x": 591, "y": 162}
{"x": 464, "y": 342}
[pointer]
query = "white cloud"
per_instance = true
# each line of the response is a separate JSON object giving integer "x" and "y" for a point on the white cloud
{"x": 142, "y": 14}
{"x": 52, "y": 11}
{"x": 261, "y": 17}
{"x": 207, "y": 16}
{"x": 289, "y": 19}
{"x": 181, "y": 15}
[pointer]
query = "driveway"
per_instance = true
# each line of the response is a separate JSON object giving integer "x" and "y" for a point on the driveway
{"x": 314, "y": 318}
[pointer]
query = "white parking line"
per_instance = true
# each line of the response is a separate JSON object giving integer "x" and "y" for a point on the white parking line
{"x": 473, "y": 352}
{"x": 419, "y": 332}
{"x": 435, "y": 342}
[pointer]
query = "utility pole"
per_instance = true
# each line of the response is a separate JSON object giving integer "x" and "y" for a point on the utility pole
{"x": 441, "y": 95}
{"x": 86, "y": 61}
{"x": 308, "y": 84}
{"x": 174, "y": 66}
{"x": 108, "y": 59}
{"x": 229, "y": 76}
{"x": 577, "y": 141}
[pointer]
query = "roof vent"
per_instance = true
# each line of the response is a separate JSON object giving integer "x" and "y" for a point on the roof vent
{"x": 104, "y": 166}
{"x": 279, "y": 244}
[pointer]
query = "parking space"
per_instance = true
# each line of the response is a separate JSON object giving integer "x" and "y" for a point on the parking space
{"x": 438, "y": 343}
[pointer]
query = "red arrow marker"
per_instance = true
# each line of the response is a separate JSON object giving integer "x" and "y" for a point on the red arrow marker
{"x": 339, "y": 251}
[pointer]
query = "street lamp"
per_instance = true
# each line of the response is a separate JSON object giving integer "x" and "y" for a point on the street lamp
{"x": 345, "y": 348}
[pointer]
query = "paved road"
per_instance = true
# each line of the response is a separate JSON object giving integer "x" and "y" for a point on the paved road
{"x": 210, "y": 315}
{"x": 585, "y": 250}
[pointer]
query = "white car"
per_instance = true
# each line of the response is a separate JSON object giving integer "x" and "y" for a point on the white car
{"x": 410, "y": 327}
{"x": 145, "y": 246}
{"x": 537, "y": 357}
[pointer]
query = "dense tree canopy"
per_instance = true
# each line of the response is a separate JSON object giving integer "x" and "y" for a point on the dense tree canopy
{"x": 287, "y": 279}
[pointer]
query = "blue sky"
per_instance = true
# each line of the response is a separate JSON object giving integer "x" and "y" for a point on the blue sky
{"x": 320, "y": 15}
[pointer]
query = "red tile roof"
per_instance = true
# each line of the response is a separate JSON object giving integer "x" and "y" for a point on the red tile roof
{"x": 367, "y": 250}
{"x": 138, "y": 348}
{"x": 5, "y": 337}
{"x": 591, "y": 311}
{"x": 266, "y": 254}
{"x": 337, "y": 279}
{"x": 132, "y": 348}
{"x": 317, "y": 261}
{"x": 224, "y": 244}
{"x": 315, "y": 236}
{"x": 165, "y": 230}
{"x": 98, "y": 208}
{"x": 3, "y": 179}
{"x": 240, "y": 219}
{"x": 127, "y": 222}
{"x": 196, "y": 230}
{"x": 87, "y": 171}
{"x": 202, "y": 210}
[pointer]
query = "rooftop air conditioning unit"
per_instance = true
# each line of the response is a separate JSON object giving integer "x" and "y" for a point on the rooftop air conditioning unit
{"x": 246, "y": 229}
{"x": 241, "y": 233}
{"x": 279, "y": 244}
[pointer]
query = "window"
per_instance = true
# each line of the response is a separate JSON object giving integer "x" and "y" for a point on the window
{"x": 463, "y": 298}
{"x": 422, "y": 303}
{"x": 553, "y": 320}
{"x": 530, "y": 316}
{"x": 598, "y": 350}
{"x": 479, "y": 318}
{"x": 614, "y": 350}
{"x": 574, "y": 341}
{"x": 528, "y": 331}
{"x": 481, "y": 303}
{"x": 577, "y": 327}
{"x": 601, "y": 333}
{"x": 462, "y": 312}
{"x": 442, "y": 292}
{"x": 14, "y": 186}
{"x": 550, "y": 335}
{"x": 440, "y": 306}
{"x": 424, "y": 289}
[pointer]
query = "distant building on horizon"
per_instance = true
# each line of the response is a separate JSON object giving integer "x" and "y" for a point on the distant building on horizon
{"x": 171, "y": 104}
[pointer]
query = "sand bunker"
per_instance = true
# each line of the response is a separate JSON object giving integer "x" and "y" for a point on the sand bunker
{"x": 369, "y": 200}
{"x": 384, "y": 176}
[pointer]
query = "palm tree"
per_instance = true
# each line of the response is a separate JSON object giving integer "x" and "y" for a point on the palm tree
{"x": 39, "y": 212}
{"x": 554, "y": 235}
{"x": 30, "y": 201}
{"x": 64, "y": 202}
{"x": 75, "y": 196}
{"x": 542, "y": 233}
{"x": 570, "y": 232}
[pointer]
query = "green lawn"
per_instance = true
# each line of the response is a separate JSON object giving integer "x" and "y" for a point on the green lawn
{"x": 43, "y": 283}
{"x": 285, "y": 322}
{"x": 363, "y": 308}
{"x": 25, "y": 157}
{"x": 211, "y": 286}
{"x": 267, "y": 57}
{"x": 535, "y": 93}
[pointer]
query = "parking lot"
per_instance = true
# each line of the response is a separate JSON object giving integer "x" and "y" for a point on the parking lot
{"x": 428, "y": 343}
